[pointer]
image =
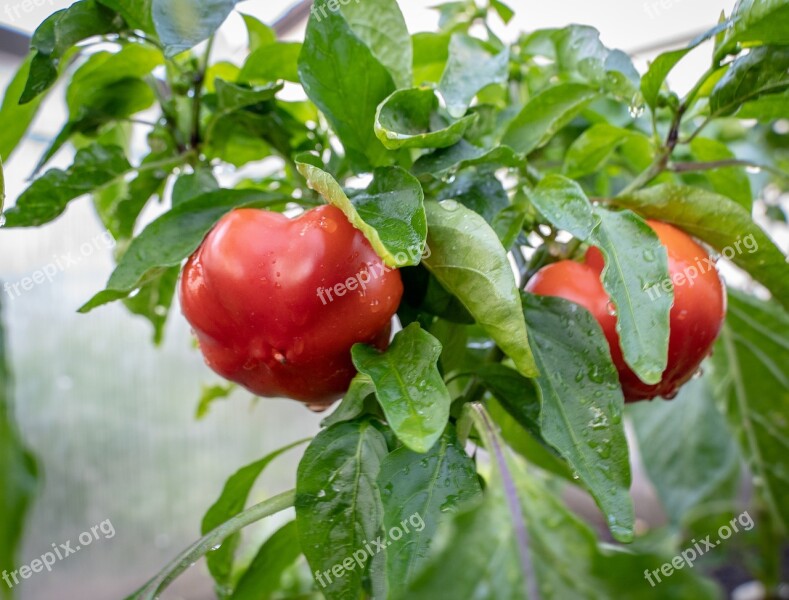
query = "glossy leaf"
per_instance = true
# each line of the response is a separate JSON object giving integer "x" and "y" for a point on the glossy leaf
{"x": 751, "y": 382}
{"x": 545, "y": 114}
{"x": 232, "y": 501}
{"x": 762, "y": 71}
{"x": 408, "y": 386}
{"x": 58, "y": 34}
{"x": 423, "y": 489}
{"x": 592, "y": 149}
{"x": 262, "y": 579}
{"x": 391, "y": 44}
{"x": 137, "y": 13}
{"x": 174, "y": 236}
{"x": 272, "y": 62}
{"x": 728, "y": 181}
{"x": 664, "y": 63}
{"x": 582, "y": 403}
{"x": 191, "y": 185}
{"x": 756, "y": 21}
{"x": 182, "y": 24}
{"x": 636, "y": 261}
{"x": 390, "y": 212}
{"x": 469, "y": 261}
{"x": 343, "y": 78}
{"x": 464, "y": 154}
{"x": 353, "y": 403}
{"x": 481, "y": 191}
{"x": 723, "y": 224}
{"x": 260, "y": 34}
{"x": 16, "y": 118}
{"x": 685, "y": 450}
{"x": 338, "y": 505}
{"x": 410, "y": 119}
{"x": 472, "y": 66}
{"x": 48, "y": 196}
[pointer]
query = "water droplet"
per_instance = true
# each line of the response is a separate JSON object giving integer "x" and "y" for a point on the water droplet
{"x": 2, "y": 220}
{"x": 579, "y": 375}
{"x": 699, "y": 373}
{"x": 611, "y": 308}
{"x": 375, "y": 306}
{"x": 670, "y": 395}
{"x": 160, "y": 310}
{"x": 753, "y": 170}
{"x": 279, "y": 357}
{"x": 317, "y": 408}
{"x": 683, "y": 314}
{"x": 328, "y": 225}
{"x": 636, "y": 110}
{"x": 321, "y": 493}
{"x": 649, "y": 256}
{"x": 450, "y": 205}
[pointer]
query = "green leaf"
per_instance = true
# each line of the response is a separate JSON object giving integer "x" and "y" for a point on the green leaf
{"x": 231, "y": 96}
{"x": 751, "y": 382}
{"x": 408, "y": 386}
{"x": 766, "y": 108}
{"x": 272, "y": 62}
{"x": 545, "y": 114}
{"x": 756, "y": 21}
{"x": 472, "y": 66}
{"x": 431, "y": 52}
{"x": 137, "y": 13}
{"x": 390, "y": 212}
{"x": 18, "y": 469}
{"x": 47, "y": 197}
{"x": 504, "y": 11}
{"x": 353, "y": 403}
{"x": 686, "y": 452}
{"x": 182, "y": 24}
{"x": 343, "y": 78}
{"x": 154, "y": 298}
{"x": 174, "y": 236}
{"x": 485, "y": 543}
{"x": 410, "y": 119}
{"x": 58, "y": 34}
{"x": 635, "y": 261}
{"x": 16, "y": 118}
{"x": 729, "y": 181}
{"x": 582, "y": 403}
{"x": 423, "y": 489}
{"x": 232, "y": 501}
{"x": 338, "y": 505}
{"x": 260, "y": 34}
{"x": 210, "y": 394}
{"x": 390, "y": 45}
{"x": 464, "y": 154}
{"x": 479, "y": 190}
{"x": 723, "y": 224}
{"x": 592, "y": 149}
{"x": 262, "y": 579}
{"x": 469, "y": 261}
{"x": 664, "y": 63}
{"x": 761, "y": 72}
{"x": 191, "y": 185}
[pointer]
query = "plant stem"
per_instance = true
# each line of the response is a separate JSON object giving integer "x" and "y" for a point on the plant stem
{"x": 201, "y": 547}
{"x": 198, "y": 95}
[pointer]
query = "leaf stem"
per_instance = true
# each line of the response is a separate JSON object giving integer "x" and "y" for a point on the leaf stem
{"x": 685, "y": 167}
{"x": 201, "y": 547}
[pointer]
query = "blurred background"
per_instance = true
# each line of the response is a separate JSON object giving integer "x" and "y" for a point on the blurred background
{"x": 111, "y": 418}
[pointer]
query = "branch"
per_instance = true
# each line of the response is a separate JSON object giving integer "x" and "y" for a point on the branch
{"x": 685, "y": 167}
{"x": 204, "y": 545}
